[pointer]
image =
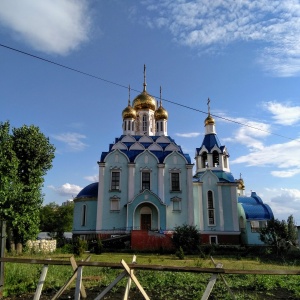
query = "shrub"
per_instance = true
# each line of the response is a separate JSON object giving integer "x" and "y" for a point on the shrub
{"x": 187, "y": 237}
{"x": 180, "y": 253}
{"x": 79, "y": 246}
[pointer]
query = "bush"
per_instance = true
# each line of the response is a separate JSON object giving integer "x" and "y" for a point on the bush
{"x": 187, "y": 237}
{"x": 79, "y": 246}
{"x": 180, "y": 253}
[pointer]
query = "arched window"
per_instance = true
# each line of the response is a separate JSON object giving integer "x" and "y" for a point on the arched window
{"x": 225, "y": 161}
{"x": 145, "y": 123}
{"x": 215, "y": 158}
{"x": 204, "y": 160}
{"x": 83, "y": 215}
{"x": 210, "y": 208}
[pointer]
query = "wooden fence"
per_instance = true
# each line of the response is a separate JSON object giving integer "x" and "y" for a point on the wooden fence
{"x": 128, "y": 271}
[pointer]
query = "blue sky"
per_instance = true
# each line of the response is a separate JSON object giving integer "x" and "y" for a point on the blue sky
{"x": 243, "y": 55}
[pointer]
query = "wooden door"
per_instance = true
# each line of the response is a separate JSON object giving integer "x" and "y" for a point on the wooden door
{"x": 145, "y": 221}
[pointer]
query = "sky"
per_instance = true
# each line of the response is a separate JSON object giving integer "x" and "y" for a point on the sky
{"x": 66, "y": 66}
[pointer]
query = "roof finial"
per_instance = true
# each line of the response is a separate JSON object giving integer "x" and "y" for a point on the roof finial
{"x": 129, "y": 95}
{"x": 208, "y": 106}
{"x": 160, "y": 95}
{"x": 144, "y": 78}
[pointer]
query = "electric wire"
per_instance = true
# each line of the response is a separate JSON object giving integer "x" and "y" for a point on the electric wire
{"x": 126, "y": 87}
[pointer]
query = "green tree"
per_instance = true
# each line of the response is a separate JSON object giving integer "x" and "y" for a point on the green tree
{"x": 56, "y": 219}
{"x": 280, "y": 235}
{"x": 30, "y": 155}
{"x": 187, "y": 237}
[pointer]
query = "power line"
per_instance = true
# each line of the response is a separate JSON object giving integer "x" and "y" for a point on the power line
{"x": 123, "y": 86}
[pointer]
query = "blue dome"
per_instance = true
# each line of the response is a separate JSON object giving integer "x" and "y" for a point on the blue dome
{"x": 90, "y": 191}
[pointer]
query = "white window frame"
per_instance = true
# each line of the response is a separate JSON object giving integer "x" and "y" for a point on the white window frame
{"x": 145, "y": 171}
{"x": 171, "y": 181}
{"x": 214, "y": 237}
{"x": 111, "y": 180}
{"x": 211, "y": 209}
{"x": 114, "y": 204}
{"x": 176, "y": 204}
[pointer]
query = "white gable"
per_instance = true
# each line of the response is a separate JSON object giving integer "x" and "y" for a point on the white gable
{"x": 155, "y": 147}
{"x": 172, "y": 147}
{"x": 137, "y": 146}
{"x": 120, "y": 146}
{"x": 145, "y": 139}
{"x": 128, "y": 139}
{"x": 163, "y": 139}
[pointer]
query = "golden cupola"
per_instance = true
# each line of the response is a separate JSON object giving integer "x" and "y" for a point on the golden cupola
{"x": 209, "y": 120}
{"x": 144, "y": 100}
{"x": 129, "y": 112}
{"x": 160, "y": 113}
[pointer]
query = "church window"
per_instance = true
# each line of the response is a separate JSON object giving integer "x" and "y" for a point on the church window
{"x": 83, "y": 215}
{"x": 145, "y": 123}
{"x": 175, "y": 182}
{"x": 161, "y": 126}
{"x": 215, "y": 158}
{"x": 211, "y": 208}
{"x": 254, "y": 226}
{"x": 115, "y": 181}
{"x": 213, "y": 239}
{"x": 125, "y": 123}
{"x": 146, "y": 180}
{"x": 204, "y": 160}
{"x": 176, "y": 204}
{"x": 225, "y": 162}
{"x": 115, "y": 204}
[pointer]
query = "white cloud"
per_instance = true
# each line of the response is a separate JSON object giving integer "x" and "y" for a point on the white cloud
{"x": 188, "y": 135}
{"x": 283, "y": 114}
{"x": 66, "y": 189}
{"x": 72, "y": 140}
{"x": 284, "y": 156}
{"x": 207, "y": 25}
{"x": 92, "y": 178}
{"x": 250, "y": 134}
{"x": 284, "y": 202}
{"x": 51, "y": 26}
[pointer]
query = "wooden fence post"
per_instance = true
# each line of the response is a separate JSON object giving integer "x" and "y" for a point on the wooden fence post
{"x": 2, "y": 251}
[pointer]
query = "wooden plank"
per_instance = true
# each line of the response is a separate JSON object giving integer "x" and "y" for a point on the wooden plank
{"x": 224, "y": 280}
{"x": 209, "y": 287}
{"x": 128, "y": 285}
{"x": 74, "y": 266}
{"x": 64, "y": 287}
{"x": 108, "y": 288}
{"x": 132, "y": 276}
{"x": 78, "y": 284}
{"x": 40, "y": 285}
{"x": 154, "y": 267}
{"x": 211, "y": 284}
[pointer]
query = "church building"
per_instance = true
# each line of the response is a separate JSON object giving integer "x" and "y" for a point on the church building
{"x": 147, "y": 186}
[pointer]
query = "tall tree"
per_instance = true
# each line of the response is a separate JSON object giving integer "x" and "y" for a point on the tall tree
{"x": 281, "y": 235}
{"x": 30, "y": 154}
{"x": 56, "y": 219}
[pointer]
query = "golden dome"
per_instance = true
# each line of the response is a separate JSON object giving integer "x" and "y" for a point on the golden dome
{"x": 129, "y": 112}
{"x": 209, "y": 120}
{"x": 160, "y": 114}
{"x": 144, "y": 101}
{"x": 241, "y": 185}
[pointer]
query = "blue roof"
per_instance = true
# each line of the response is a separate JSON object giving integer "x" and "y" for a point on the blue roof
{"x": 90, "y": 191}
{"x": 254, "y": 208}
{"x": 210, "y": 140}
{"x": 222, "y": 175}
{"x": 132, "y": 154}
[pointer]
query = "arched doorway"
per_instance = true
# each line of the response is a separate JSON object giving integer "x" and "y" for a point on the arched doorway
{"x": 145, "y": 218}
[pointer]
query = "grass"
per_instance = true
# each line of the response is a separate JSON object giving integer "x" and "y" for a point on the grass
{"x": 23, "y": 278}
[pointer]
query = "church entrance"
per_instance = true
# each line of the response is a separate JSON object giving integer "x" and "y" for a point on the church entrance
{"x": 145, "y": 221}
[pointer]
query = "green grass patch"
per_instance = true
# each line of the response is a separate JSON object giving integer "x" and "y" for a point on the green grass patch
{"x": 22, "y": 278}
